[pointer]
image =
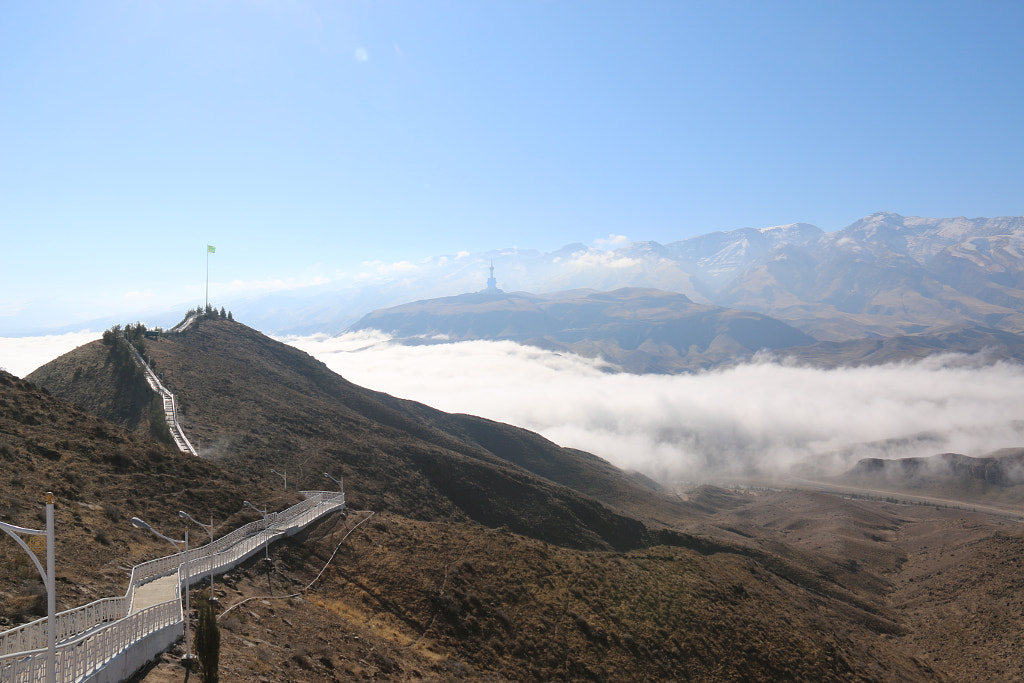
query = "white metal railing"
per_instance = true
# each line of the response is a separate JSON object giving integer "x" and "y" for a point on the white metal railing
{"x": 103, "y": 641}
{"x": 81, "y": 658}
{"x": 71, "y": 622}
{"x": 170, "y": 405}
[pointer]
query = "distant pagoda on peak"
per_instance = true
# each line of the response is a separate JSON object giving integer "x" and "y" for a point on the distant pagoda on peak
{"x": 492, "y": 284}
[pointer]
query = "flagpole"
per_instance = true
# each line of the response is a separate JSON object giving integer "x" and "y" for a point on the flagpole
{"x": 210, "y": 249}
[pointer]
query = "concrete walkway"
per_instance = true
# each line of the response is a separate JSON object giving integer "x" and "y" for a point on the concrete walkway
{"x": 155, "y": 592}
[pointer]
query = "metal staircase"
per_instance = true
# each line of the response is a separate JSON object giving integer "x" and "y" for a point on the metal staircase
{"x": 170, "y": 407}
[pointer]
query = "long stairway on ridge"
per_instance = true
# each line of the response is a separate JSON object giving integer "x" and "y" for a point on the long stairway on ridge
{"x": 170, "y": 407}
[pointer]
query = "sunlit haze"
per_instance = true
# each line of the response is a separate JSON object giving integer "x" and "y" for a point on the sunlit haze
{"x": 159, "y": 154}
{"x": 320, "y": 144}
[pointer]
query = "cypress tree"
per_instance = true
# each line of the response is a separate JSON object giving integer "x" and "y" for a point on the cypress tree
{"x": 208, "y": 642}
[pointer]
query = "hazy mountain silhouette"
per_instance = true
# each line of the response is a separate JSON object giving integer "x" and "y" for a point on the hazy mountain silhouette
{"x": 946, "y": 473}
{"x": 888, "y": 274}
{"x": 883, "y": 275}
{"x": 638, "y": 330}
{"x": 985, "y": 345}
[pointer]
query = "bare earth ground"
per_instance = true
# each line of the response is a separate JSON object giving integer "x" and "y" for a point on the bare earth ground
{"x": 939, "y": 588}
{"x": 952, "y": 578}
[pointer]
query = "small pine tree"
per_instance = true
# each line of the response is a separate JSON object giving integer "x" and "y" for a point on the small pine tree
{"x": 223, "y": 313}
{"x": 230, "y": 317}
{"x": 208, "y": 642}
{"x": 110, "y": 336}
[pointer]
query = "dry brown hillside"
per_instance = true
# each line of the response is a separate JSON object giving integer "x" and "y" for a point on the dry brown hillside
{"x": 467, "y": 559}
{"x": 255, "y": 404}
{"x": 101, "y": 475}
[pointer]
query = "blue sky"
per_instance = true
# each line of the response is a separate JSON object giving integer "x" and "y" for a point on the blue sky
{"x": 303, "y": 139}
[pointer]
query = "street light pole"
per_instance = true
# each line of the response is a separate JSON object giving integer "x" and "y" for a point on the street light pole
{"x": 266, "y": 552}
{"x": 139, "y": 524}
{"x": 51, "y": 594}
{"x": 283, "y": 476}
{"x": 339, "y": 482}
{"x": 48, "y": 581}
{"x": 209, "y": 530}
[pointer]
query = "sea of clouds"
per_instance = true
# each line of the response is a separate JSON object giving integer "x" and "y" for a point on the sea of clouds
{"x": 21, "y": 355}
{"x": 763, "y": 416}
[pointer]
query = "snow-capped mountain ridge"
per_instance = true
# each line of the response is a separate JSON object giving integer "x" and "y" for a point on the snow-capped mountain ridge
{"x": 884, "y": 274}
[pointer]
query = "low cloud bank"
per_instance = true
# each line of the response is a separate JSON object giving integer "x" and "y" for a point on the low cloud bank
{"x": 21, "y": 355}
{"x": 762, "y": 416}
{"x": 765, "y": 415}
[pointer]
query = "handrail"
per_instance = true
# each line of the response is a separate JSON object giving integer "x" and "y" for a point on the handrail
{"x": 94, "y": 635}
{"x": 81, "y": 657}
{"x": 170, "y": 404}
{"x": 69, "y": 623}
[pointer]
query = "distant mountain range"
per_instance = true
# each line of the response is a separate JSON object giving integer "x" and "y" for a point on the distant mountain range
{"x": 638, "y": 330}
{"x": 884, "y": 275}
{"x": 653, "y": 331}
{"x": 887, "y": 274}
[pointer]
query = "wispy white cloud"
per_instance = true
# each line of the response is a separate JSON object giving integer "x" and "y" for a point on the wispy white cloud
{"x": 382, "y": 268}
{"x": 611, "y": 242}
{"x": 361, "y": 55}
{"x": 593, "y": 258}
{"x": 764, "y": 415}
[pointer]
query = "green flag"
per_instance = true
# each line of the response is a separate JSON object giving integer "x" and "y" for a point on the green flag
{"x": 210, "y": 248}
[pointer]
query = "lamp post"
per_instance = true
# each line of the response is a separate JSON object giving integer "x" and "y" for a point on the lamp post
{"x": 283, "y": 476}
{"x": 48, "y": 581}
{"x": 266, "y": 553}
{"x": 339, "y": 482}
{"x": 139, "y": 524}
{"x": 209, "y": 530}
